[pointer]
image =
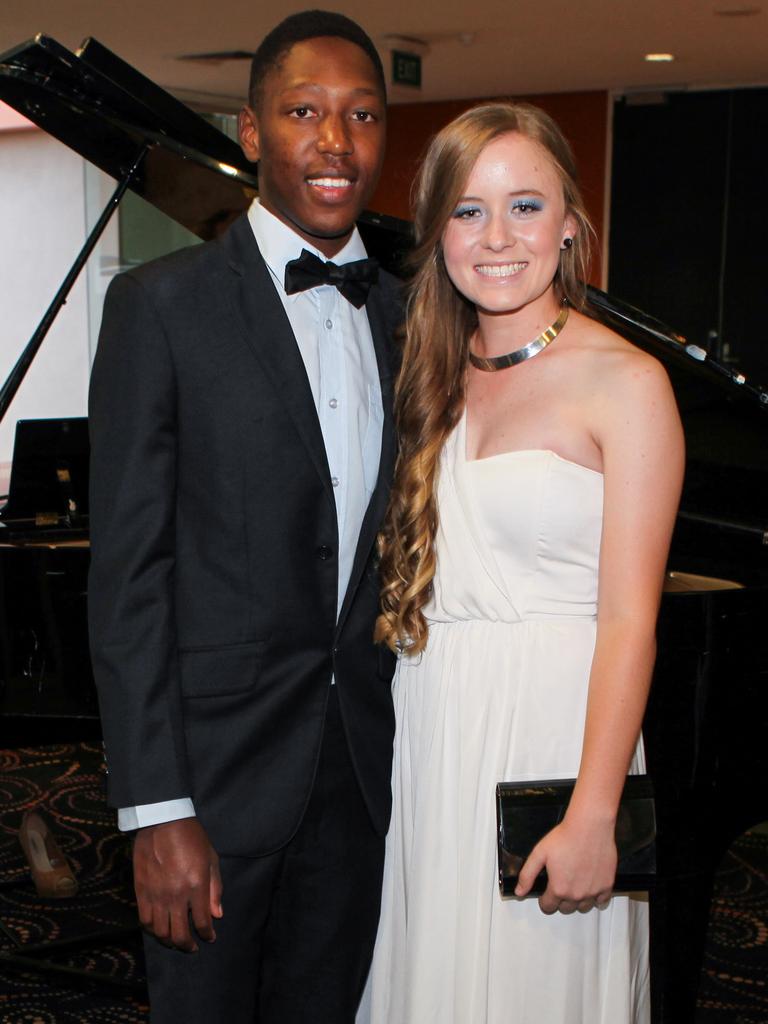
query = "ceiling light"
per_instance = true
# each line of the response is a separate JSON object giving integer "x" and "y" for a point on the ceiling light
{"x": 659, "y": 58}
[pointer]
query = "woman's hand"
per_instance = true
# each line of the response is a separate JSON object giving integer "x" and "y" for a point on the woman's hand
{"x": 580, "y": 859}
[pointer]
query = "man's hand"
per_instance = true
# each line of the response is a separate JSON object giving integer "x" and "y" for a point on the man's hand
{"x": 176, "y": 876}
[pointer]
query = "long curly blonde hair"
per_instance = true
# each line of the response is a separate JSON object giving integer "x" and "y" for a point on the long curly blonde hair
{"x": 429, "y": 396}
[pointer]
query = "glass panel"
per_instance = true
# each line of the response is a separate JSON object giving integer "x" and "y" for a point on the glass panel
{"x": 146, "y": 233}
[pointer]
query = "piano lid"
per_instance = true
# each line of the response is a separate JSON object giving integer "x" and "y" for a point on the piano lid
{"x": 108, "y": 112}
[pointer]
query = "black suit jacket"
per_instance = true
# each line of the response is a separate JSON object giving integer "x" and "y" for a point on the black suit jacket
{"x": 213, "y": 581}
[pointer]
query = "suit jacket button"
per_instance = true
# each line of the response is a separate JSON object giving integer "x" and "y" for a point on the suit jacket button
{"x": 324, "y": 553}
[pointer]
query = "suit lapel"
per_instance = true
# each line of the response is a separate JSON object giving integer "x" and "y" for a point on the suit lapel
{"x": 266, "y": 329}
{"x": 381, "y": 308}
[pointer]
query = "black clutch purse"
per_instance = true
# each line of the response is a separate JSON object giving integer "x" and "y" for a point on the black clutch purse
{"x": 526, "y": 811}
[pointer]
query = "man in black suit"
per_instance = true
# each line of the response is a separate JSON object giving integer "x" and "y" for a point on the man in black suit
{"x": 242, "y": 445}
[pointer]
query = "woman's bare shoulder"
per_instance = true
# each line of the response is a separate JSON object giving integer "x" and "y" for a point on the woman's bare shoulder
{"x": 621, "y": 367}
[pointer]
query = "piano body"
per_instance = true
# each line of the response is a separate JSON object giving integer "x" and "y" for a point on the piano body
{"x": 707, "y": 719}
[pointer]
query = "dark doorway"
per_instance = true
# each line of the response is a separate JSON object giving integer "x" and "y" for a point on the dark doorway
{"x": 689, "y": 217}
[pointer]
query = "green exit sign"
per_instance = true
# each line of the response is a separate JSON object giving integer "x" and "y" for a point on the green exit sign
{"x": 406, "y": 69}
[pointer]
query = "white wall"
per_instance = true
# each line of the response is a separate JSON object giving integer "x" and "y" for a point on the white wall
{"x": 42, "y": 227}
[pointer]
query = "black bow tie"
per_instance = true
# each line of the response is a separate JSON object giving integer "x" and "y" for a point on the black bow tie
{"x": 353, "y": 280}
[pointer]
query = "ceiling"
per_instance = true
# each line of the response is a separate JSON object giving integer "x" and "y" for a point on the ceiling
{"x": 482, "y": 48}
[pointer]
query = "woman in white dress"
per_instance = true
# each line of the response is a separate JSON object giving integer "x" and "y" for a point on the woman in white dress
{"x": 533, "y": 477}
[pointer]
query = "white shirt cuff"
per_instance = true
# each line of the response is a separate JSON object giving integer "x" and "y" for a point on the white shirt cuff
{"x": 130, "y": 818}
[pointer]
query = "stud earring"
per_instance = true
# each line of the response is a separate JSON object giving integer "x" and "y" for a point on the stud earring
{"x": 567, "y": 242}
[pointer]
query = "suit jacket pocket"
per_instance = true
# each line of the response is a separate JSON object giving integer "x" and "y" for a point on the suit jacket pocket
{"x": 221, "y": 671}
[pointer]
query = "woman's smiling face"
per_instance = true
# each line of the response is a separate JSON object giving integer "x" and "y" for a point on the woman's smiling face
{"x": 502, "y": 243}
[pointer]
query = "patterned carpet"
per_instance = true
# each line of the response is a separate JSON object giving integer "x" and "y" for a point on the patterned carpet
{"x": 95, "y": 931}
{"x": 734, "y": 980}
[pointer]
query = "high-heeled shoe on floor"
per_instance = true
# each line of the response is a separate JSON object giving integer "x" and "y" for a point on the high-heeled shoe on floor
{"x": 51, "y": 872}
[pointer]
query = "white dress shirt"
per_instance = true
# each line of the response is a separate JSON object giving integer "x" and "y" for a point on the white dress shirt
{"x": 334, "y": 339}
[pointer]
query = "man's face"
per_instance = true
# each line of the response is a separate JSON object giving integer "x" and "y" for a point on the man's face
{"x": 318, "y": 136}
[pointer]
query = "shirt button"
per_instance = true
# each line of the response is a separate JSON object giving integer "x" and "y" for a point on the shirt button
{"x": 335, "y": 481}
{"x": 333, "y": 403}
{"x": 329, "y": 324}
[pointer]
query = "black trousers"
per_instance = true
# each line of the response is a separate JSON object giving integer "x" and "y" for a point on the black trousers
{"x": 296, "y": 939}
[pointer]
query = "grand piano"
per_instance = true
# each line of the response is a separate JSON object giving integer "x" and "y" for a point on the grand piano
{"x": 707, "y": 718}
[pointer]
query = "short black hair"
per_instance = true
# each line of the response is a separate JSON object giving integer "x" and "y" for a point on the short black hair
{"x": 296, "y": 29}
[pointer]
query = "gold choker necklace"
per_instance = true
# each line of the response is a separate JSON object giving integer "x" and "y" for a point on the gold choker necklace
{"x": 533, "y": 348}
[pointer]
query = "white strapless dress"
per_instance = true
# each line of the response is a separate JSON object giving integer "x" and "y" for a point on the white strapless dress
{"x": 499, "y": 694}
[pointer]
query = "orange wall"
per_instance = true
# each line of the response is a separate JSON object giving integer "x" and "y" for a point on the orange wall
{"x": 583, "y": 116}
